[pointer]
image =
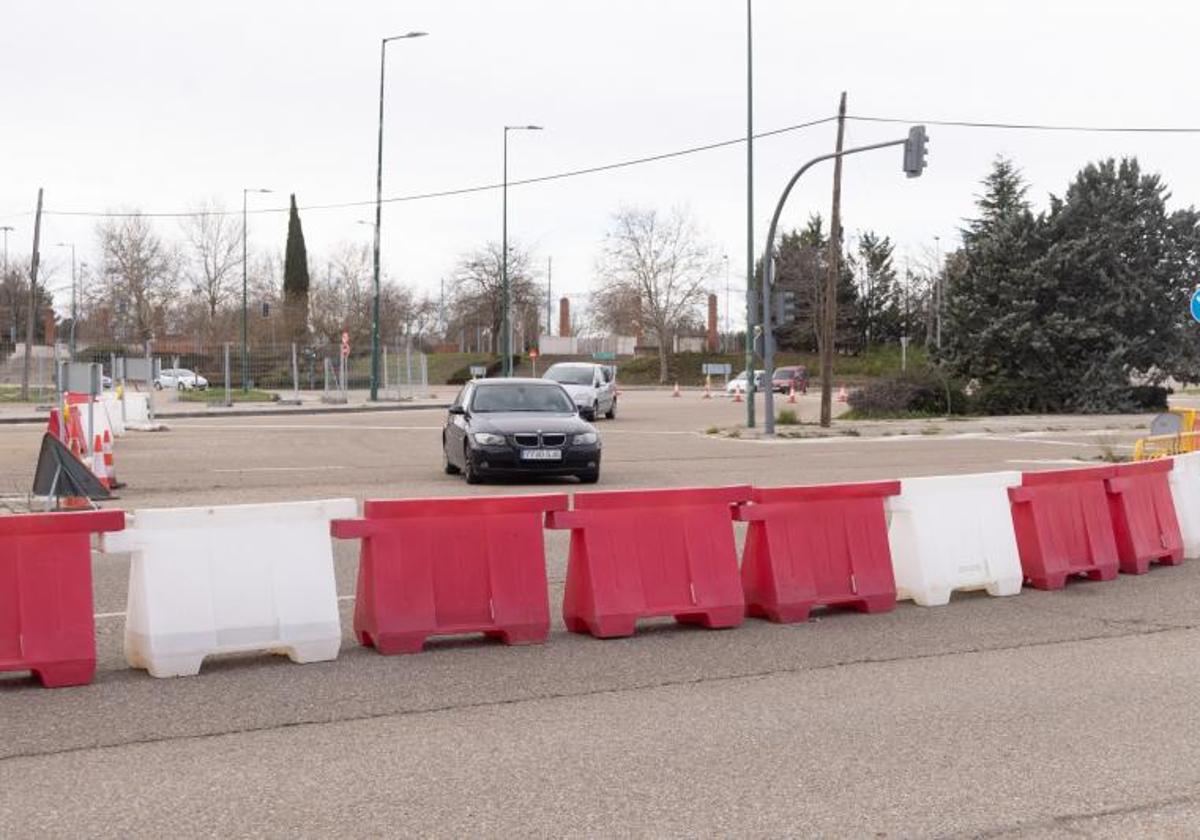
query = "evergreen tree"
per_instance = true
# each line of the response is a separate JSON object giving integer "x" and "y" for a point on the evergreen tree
{"x": 880, "y": 312}
{"x": 295, "y": 279}
{"x": 1065, "y": 310}
{"x": 802, "y": 268}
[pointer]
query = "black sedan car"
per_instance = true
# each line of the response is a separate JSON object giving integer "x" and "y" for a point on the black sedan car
{"x": 518, "y": 427}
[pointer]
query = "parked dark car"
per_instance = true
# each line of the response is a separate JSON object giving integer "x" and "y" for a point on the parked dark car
{"x": 518, "y": 427}
{"x": 785, "y": 378}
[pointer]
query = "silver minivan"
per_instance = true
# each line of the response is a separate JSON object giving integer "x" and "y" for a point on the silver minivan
{"x": 592, "y": 387}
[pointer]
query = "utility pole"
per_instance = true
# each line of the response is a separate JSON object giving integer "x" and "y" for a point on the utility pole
{"x": 750, "y": 217}
{"x": 29, "y": 321}
{"x": 940, "y": 287}
{"x": 829, "y": 320}
{"x": 549, "y": 293}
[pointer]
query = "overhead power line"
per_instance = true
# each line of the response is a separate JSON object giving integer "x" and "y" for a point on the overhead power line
{"x": 1099, "y": 129}
{"x": 557, "y": 176}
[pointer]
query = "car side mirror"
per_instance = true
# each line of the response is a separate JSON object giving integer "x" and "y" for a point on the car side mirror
{"x": 457, "y": 409}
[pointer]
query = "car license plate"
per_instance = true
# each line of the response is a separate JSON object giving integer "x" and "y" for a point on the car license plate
{"x": 541, "y": 454}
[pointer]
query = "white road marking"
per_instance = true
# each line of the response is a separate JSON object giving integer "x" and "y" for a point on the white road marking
{"x": 296, "y": 427}
{"x": 277, "y": 469}
{"x": 122, "y": 615}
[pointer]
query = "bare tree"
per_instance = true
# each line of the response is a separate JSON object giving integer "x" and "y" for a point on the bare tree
{"x": 139, "y": 277}
{"x": 661, "y": 262}
{"x": 214, "y": 243}
{"x": 476, "y": 290}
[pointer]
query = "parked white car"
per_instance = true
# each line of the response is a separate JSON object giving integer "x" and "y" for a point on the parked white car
{"x": 737, "y": 385}
{"x": 592, "y": 387}
{"x": 181, "y": 379}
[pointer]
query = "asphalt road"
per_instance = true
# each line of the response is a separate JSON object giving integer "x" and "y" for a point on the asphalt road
{"x": 1040, "y": 715}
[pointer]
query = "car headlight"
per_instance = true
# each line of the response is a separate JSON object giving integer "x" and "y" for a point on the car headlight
{"x": 488, "y": 439}
{"x": 587, "y": 438}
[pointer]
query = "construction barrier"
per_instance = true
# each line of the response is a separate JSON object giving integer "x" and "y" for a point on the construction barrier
{"x": 432, "y": 567}
{"x": 116, "y": 416}
{"x": 823, "y": 545}
{"x": 94, "y": 422}
{"x": 952, "y": 533}
{"x": 643, "y": 553}
{"x": 1063, "y": 526}
{"x": 1184, "y": 481}
{"x": 46, "y": 623}
{"x": 137, "y": 411}
{"x": 1165, "y": 446}
{"x": 1143, "y": 516}
{"x": 209, "y": 580}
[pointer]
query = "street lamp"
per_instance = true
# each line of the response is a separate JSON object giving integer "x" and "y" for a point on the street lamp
{"x": 506, "y": 344}
{"x": 71, "y": 339}
{"x": 379, "y": 211}
{"x": 245, "y": 344}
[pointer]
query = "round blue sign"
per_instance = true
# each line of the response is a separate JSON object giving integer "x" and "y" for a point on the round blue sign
{"x": 1195, "y": 305}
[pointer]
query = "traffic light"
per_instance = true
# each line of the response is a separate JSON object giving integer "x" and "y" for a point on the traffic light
{"x": 915, "y": 151}
{"x": 784, "y": 309}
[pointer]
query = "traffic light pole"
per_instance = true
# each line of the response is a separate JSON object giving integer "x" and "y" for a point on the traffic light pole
{"x": 769, "y": 268}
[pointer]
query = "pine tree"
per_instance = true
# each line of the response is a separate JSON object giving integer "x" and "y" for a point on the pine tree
{"x": 801, "y": 268}
{"x": 295, "y": 279}
{"x": 879, "y": 305}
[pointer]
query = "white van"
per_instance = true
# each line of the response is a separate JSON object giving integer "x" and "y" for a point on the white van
{"x": 592, "y": 387}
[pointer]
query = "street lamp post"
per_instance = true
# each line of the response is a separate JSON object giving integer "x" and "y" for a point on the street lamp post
{"x": 379, "y": 211}
{"x": 506, "y": 343}
{"x": 245, "y": 295}
{"x": 71, "y": 338}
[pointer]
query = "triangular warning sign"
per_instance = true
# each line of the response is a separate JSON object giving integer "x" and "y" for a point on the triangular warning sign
{"x": 59, "y": 473}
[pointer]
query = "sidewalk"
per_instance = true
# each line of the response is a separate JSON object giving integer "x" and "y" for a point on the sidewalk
{"x": 167, "y": 405}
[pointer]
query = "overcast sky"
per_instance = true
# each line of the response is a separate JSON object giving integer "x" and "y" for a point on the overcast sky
{"x": 159, "y": 105}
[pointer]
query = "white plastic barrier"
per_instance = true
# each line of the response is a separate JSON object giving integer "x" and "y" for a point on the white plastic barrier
{"x": 137, "y": 411}
{"x": 954, "y": 532}
{"x": 97, "y": 416}
{"x": 115, "y": 418}
{"x": 1185, "y": 490}
{"x": 208, "y": 580}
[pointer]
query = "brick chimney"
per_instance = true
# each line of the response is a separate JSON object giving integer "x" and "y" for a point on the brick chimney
{"x": 564, "y": 317}
{"x": 713, "y": 342}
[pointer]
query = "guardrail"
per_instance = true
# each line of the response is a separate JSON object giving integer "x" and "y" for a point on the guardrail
{"x": 1164, "y": 446}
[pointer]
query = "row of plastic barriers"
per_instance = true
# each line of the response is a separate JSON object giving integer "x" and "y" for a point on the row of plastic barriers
{"x": 228, "y": 579}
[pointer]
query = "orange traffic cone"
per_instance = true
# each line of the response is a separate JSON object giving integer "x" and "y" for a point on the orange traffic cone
{"x": 110, "y": 462}
{"x": 792, "y": 394}
{"x": 842, "y": 394}
{"x": 708, "y": 387}
{"x": 676, "y": 393}
{"x": 98, "y": 462}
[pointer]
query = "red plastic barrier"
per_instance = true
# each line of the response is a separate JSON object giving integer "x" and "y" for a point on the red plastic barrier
{"x": 1063, "y": 526}
{"x": 642, "y": 553}
{"x": 818, "y": 546}
{"x": 1143, "y": 515}
{"x": 46, "y": 623}
{"x": 446, "y": 566}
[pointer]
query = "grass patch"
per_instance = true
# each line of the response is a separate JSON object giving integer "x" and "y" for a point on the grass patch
{"x": 853, "y": 414}
{"x": 711, "y": 430}
{"x": 735, "y": 433}
{"x": 12, "y": 394}
{"x": 931, "y": 430}
{"x": 786, "y": 417}
{"x": 216, "y": 396}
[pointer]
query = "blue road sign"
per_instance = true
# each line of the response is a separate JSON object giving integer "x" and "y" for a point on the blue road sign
{"x": 1195, "y": 305}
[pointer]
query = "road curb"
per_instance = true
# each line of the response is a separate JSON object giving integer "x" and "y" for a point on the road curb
{"x": 262, "y": 412}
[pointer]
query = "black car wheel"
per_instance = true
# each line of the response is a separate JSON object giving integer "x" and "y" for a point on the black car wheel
{"x": 611, "y": 414}
{"x": 469, "y": 472}
{"x": 448, "y": 467}
{"x": 589, "y": 414}
{"x": 589, "y": 477}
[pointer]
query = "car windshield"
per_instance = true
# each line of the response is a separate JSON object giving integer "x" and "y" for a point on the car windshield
{"x": 521, "y": 397}
{"x": 570, "y": 375}
{"x": 184, "y": 372}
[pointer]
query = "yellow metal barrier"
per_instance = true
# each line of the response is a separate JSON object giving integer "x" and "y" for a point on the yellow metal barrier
{"x": 1187, "y": 425}
{"x": 1164, "y": 446}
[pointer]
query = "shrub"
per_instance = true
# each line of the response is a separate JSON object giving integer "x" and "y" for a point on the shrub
{"x": 915, "y": 394}
{"x": 786, "y": 417}
{"x": 1005, "y": 396}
